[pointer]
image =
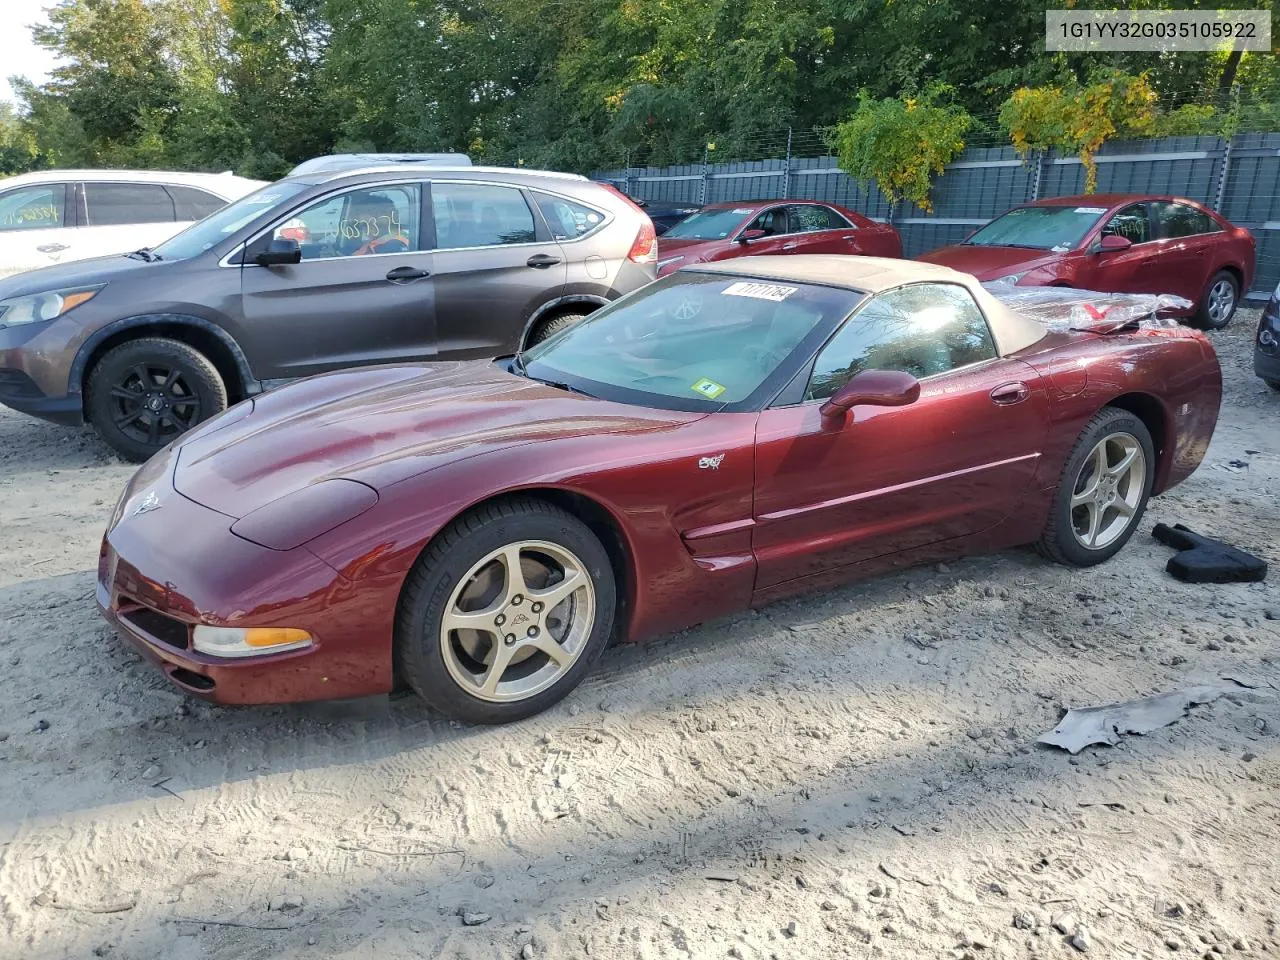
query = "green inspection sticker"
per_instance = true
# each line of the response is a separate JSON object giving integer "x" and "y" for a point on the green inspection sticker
{"x": 708, "y": 388}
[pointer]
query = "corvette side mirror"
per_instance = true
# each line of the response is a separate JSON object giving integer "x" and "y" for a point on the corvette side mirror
{"x": 872, "y": 388}
{"x": 746, "y": 236}
{"x": 1112, "y": 243}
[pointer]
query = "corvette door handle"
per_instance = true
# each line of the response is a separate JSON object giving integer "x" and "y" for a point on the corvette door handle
{"x": 407, "y": 274}
{"x": 542, "y": 261}
{"x": 1010, "y": 393}
{"x": 51, "y": 247}
{"x": 788, "y": 246}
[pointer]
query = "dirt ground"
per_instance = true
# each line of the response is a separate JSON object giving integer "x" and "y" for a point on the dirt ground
{"x": 849, "y": 775}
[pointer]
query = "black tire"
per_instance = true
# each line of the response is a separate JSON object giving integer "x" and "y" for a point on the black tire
{"x": 419, "y": 650}
{"x": 1059, "y": 541}
{"x": 1273, "y": 384}
{"x": 549, "y": 328}
{"x": 182, "y": 380}
{"x": 1205, "y": 318}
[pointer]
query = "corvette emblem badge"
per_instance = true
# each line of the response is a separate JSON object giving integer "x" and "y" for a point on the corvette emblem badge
{"x": 147, "y": 504}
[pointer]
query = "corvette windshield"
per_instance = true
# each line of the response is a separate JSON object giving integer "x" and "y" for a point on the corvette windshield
{"x": 1039, "y": 228}
{"x": 708, "y": 225}
{"x": 691, "y": 341}
{"x": 216, "y": 227}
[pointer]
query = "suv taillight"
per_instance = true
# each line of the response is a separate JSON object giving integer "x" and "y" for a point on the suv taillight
{"x": 645, "y": 249}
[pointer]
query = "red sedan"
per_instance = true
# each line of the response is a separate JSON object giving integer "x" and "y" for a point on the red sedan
{"x": 722, "y": 231}
{"x": 1116, "y": 242}
{"x": 719, "y": 439}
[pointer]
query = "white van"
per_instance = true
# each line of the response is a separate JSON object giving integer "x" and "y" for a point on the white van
{"x": 56, "y": 216}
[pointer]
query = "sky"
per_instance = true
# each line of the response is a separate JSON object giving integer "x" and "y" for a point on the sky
{"x": 18, "y": 53}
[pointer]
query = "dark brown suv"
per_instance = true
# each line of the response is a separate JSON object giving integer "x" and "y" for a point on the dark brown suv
{"x": 313, "y": 273}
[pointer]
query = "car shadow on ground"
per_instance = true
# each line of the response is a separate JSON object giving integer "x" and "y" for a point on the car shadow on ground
{"x": 125, "y": 699}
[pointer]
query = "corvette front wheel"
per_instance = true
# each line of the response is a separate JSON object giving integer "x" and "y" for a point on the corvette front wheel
{"x": 505, "y": 612}
{"x": 1103, "y": 492}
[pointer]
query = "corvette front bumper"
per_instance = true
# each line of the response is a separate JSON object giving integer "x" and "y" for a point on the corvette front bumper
{"x": 169, "y": 564}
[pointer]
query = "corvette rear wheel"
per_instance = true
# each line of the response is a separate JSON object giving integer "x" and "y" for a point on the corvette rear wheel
{"x": 1103, "y": 491}
{"x": 504, "y": 613}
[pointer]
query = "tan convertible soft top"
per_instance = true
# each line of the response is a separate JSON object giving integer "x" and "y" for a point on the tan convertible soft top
{"x": 1012, "y": 331}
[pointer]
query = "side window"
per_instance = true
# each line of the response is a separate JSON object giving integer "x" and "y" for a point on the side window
{"x": 117, "y": 204}
{"x": 924, "y": 329}
{"x": 192, "y": 204}
{"x": 1130, "y": 223}
{"x": 807, "y": 218}
{"x": 1178, "y": 220}
{"x": 479, "y": 215}
{"x": 773, "y": 222}
{"x": 358, "y": 223}
{"x": 33, "y": 208}
{"x": 567, "y": 220}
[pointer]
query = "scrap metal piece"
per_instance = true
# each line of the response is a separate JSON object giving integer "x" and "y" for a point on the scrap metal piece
{"x": 1202, "y": 559}
{"x": 1108, "y": 724}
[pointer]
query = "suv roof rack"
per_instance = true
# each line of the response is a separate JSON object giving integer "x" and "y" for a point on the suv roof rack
{"x": 354, "y": 161}
{"x": 518, "y": 171}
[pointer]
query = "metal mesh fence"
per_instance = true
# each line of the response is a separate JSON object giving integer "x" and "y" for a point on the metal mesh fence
{"x": 1238, "y": 176}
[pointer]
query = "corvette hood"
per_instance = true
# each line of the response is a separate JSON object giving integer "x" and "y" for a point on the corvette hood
{"x": 988, "y": 263}
{"x": 382, "y": 424}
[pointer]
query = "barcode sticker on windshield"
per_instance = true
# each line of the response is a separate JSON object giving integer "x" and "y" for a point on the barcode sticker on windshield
{"x": 1091, "y": 209}
{"x": 759, "y": 291}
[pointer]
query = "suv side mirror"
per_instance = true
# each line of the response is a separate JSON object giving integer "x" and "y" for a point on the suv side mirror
{"x": 746, "y": 236}
{"x": 1112, "y": 243}
{"x": 279, "y": 251}
{"x": 872, "y": 388}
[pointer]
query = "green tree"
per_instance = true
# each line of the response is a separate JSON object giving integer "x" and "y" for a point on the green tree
{"x": 901, "y": 145}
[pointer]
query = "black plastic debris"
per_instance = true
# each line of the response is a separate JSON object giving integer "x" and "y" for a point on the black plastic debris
{"x": 1205, "y": 560}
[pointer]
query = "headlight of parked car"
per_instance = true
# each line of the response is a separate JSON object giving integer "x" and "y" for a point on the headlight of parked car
{"x": 39, "y": 307}
{"x": 1011, "y": 278}
{"x": 305, "y": 514}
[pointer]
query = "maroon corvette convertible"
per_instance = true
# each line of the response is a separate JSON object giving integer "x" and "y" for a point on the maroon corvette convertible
{"x": 721, "y": 438}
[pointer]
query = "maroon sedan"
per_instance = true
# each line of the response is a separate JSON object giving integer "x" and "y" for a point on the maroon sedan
{"x": 721, "y": 438}
{"x": 1119, "y": 243}
{"x": 723, "y": 231}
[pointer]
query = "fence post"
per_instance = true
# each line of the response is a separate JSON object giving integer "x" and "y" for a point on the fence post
{"x": 627, "y": 186}
{"x": 1220, "y": 194}
{"x": 786, "y": 170}
{"x": 702, "y": 193}
{"x": 1036, "y": 175}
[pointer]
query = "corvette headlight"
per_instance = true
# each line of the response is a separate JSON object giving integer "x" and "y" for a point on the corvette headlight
{"x": 305, "y": 514}
{"x": 41, "y": 307}
{"x": 247, "y": 642}
{"x": 1011, "y": 278}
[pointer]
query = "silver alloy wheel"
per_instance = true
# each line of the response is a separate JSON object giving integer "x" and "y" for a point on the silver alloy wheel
{"x": 1108, "y": 491}
{"x": 1222, "y": 299}
{"x": 517, "y": 621}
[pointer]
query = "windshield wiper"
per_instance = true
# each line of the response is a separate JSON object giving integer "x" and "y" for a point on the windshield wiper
{"x": 1015, "y": 246}
{"x": 561, "y": 385}
{"x": 147, "y": 254}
